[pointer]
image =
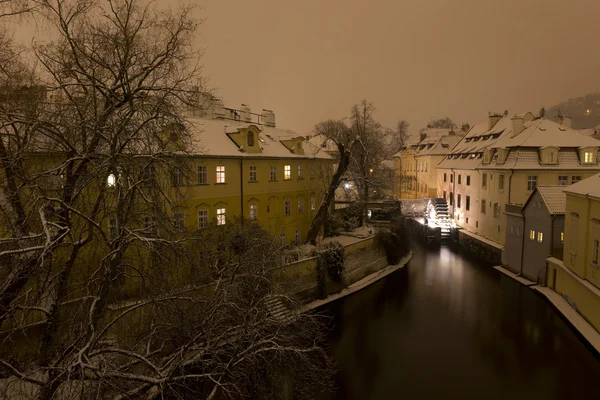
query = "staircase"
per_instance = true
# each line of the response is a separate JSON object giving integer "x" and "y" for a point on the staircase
{"x": 442, "y": 217}
{"x": 278, "y": 310}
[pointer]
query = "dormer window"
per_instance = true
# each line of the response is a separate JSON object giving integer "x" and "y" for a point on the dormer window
{"x": 588, "y": 155}
{"x": 250, "y": 138}
{"x": 550, "y": 157}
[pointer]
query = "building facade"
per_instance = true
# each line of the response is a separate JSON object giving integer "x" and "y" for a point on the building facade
{"x": 502, "y": 161}
{"x": 577, "y": 276}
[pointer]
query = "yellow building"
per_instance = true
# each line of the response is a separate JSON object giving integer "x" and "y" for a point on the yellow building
{"x": 502, "y": 160}
{"x": 417, "y": 160}
{"x": 577, "y": 276}
{"x": 241, "y": 168}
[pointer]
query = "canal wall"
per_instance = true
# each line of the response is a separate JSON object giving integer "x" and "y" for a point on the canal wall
{"x": 361, "y": 258}
{"x": 481, "y": 248}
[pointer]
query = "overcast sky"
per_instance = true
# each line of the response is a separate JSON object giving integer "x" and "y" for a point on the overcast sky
{"x": 310, "y": 60}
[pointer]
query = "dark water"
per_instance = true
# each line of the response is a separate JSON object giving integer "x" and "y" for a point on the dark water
{"x": 446, "y": 328}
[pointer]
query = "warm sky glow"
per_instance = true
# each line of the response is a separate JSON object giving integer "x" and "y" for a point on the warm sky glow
{"x": 417, "y": 60}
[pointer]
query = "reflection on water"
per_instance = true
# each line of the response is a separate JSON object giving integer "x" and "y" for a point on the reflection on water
{"x": 444, "y": 327}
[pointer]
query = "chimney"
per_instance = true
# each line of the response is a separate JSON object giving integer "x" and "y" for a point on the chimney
{"x": 245, "y": 115}
{"x": 518, "y": 124}
{"x": 493, "y": 119}
{"x": 465, "y": 127}
{"x": 267, "y": 117}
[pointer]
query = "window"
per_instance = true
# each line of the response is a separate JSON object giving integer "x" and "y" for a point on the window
{"x": 250, "y": 138}
{"x": 444, "y": 195}
{"x": 500, "y": 182}
{"x": 111, "y": 180}
{"x": 177, "y": 176}
{"x": 532, "y": 235}
{"x": 313, "y": 203}
{"x": 468, "y": 180}
{"x": 300, "y": 204}
{"x": 287, "y": 207}
{"x": 518, "y": 231}
{"x": 562, "y": 237}
{"x": 468, "y": 203}
{"x": 287, "y": 172}
{"x": 253, "y": 212}
{"x": 178, "y": 221}
{"x": 563, "y": 180}
{"x": 297, "y": 236}
{"x": 425, "y": 167}
{"x": 112, "y": 228}
{"x": 496, "y": 210}
{"x": 512, "y": 229}
{"x": 273, "y": 173}
{"x": 451, "y": 197}
{"x": 531, "y": 182}
{"x": 458, "y": 201}
{"x": 540, "y": 237}
{"x": 202, "y": 219}
{"x": 588, "y": 157}
{"x": 300, "y": 171}
{"x": 253, "y": 173}
{"x": 220, "y": 174}
{"x": 150, "y": 225}
{"x": 202, "y": 175}
{"x": 575, "y": 179}
{"x": 550, "y": 157}
{"x": 459, "y": 178}
{"x": 451, "y": 178}
{"x": 282, "y": 238}
{"x": 221, "y": 218}
{"x": 312, "y": 171}
{"x": 484, "y": 181}
{"x": 595, "y": 251}
{"x": 483, "y": 206}
{"x": 444, "y": 177}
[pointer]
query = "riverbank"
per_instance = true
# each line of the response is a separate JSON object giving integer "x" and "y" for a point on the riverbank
{"x": 359, "y": 285}
{"x": 584, "y": 328}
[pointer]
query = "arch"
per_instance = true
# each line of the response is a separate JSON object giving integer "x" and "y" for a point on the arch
{"x": 250, "y": 137}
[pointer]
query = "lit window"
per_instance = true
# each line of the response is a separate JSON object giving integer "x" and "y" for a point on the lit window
{"x": 588, "y": 157}
{"x": 253, "y": 212}
{"x": 287, "y": 172}
{"x": 220, "y": 174}
{"x": 300, "y": 205}
{"x": 111, "y": 181}
{"x": 300, "y": 171}
{"x": 562, "y": 237}
{"x": 202, "y": 175}
{"x": 297, "y": 236}
{"x": 287, "y": 207}
{"x": 563, "y": 180}
{"x": 273, "y": 173}
{"x": 253, "y": 173}
{"x": 540, "y": 237}
{"x": 531, "y": 182}
{"x": 177, "y": 176}
{"x": 178, "y": 222}
{"x": 202, "y": 218}
{"x": 221, "y": 219}
{"x": 149, "y": 175}
{"x": 313, "y": 203}
{"x": 532, "y": 235}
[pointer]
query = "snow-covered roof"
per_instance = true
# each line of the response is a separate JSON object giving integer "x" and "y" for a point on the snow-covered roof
{"x": 586, "y": 187}
{"x": 529, "y": 159}
{"x": 441, "y": 146}
{"x": 554, "y": 197}
{"x": 210, "y": 138}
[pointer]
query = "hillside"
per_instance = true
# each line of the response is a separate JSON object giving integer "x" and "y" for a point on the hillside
{"x": 584, "y": 110}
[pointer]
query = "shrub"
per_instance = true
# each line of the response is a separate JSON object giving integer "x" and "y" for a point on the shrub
{"x": 332, "y": 225}
{"x": 331, "y": 259}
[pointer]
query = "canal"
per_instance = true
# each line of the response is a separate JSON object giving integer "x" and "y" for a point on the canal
{"x": 446, "y": 327}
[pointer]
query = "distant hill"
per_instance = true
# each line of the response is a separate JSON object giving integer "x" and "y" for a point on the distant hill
{"x": 584, "y": 110}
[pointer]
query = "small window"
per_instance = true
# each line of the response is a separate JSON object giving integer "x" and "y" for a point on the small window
{"x": 202, "y": 175}
{"x": 445, "y": 177}
{"x": 563, "y": 180}
{"x": 425, "y": 167}
{"x": 496, "y": 210}
{"x": 287, "y": 207}
{"x": 252, "y": 173}
{"x": 531, "y": 182}
{"x": 468, "y": 203}
{"x": 202, "y": 219}
{"x": 177, "y": 176}
{"x": 287, "y": 172}
{"x": 282, "y": 238}
{"x": 483, "y": 205}
{"x": 300, "y": 205}
{"x": 253, "y": 212}
{"x": 313, "y": 203}
{"x": 459, "y": 179}
{"x": 500, "y": 182}
{"x": 451, "y": 178}
{"x": 297, "y": 236}
{"x": 300, "y": 171}
{"x": 451, "y": 197}
{"x": 150, "y": 225}
{"x": 273, "y": 173}
{"x": 550, "y": 157}
{"x": 595, "y": 251}
{"x": 484, "y": 181}
{"x": 562, "y": 237}
{"x": 220, "y": 174}
{"x": 458, "y": 201}
{"x": 532, "y": 235}
{"x": 540, "y": 237}
{"x": 221, "y": 218}
{"x": 468, "y": 180}
{"x": 588, "y": 157}
{"x": 250, "y": 138}
{"x": 444, "y": 195}
{"x": 178, "y": 221}
{"x": 575, "y": 179}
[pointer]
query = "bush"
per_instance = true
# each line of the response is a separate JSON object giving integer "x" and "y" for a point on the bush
{"x": 395, "y": 242}
{"x": 332, "y": 225}
{"x": 330, "y": 260}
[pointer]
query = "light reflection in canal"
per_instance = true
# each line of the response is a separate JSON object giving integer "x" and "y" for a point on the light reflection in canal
{"x": 445, "y": 327}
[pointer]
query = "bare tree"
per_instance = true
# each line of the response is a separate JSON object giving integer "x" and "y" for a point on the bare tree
{"x": 92, "y": 257}
{"x": 397, "y": 138}
{"x": 442, "y": 123}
